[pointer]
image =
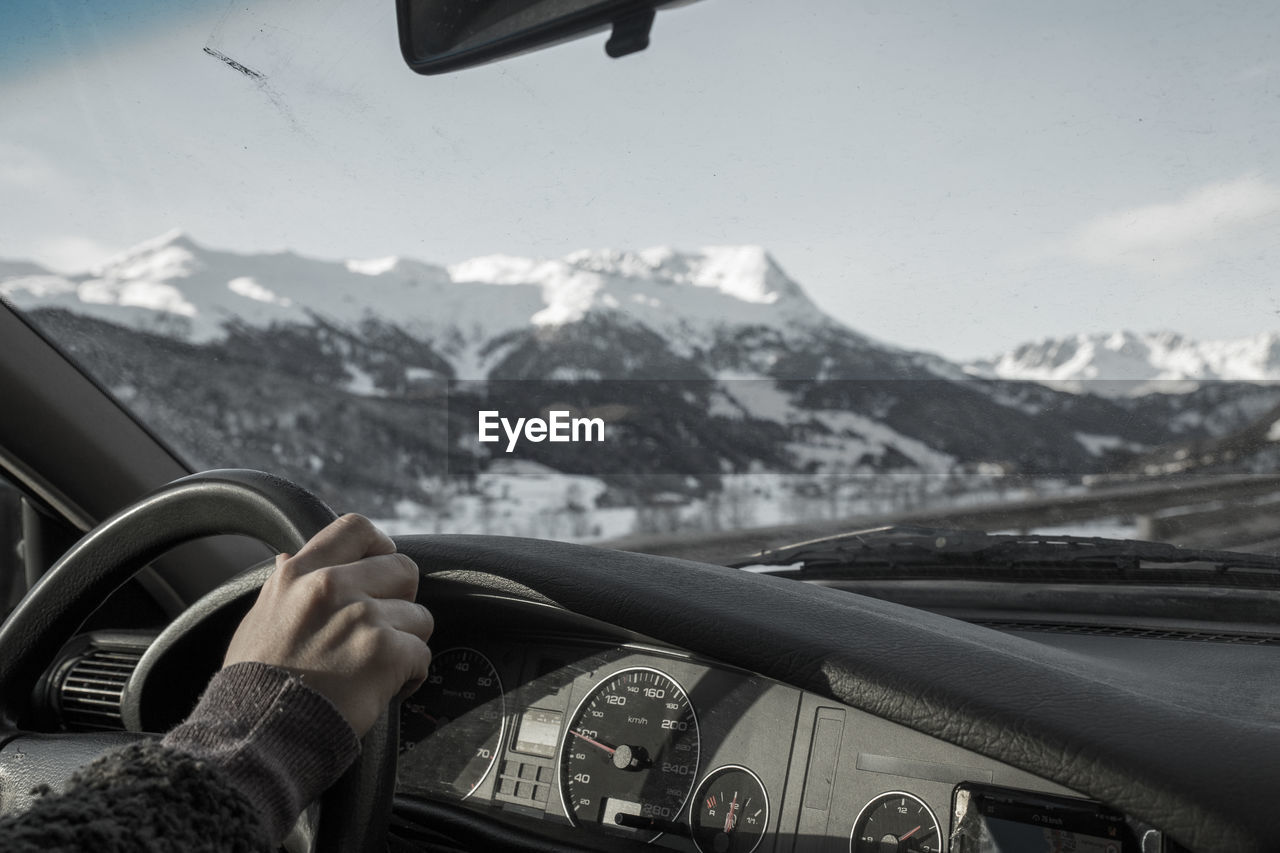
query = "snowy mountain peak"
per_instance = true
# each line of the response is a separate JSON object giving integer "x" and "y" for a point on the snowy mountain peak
{"x": 171, "y": 254}
{"x": 373, "y": 266}
{"x": 692, "y": 301}
{"x": 405, "y": 270}
{"x": 747, "y": 273}
{"x": 684, "y": 296}
{"x": 1135, "y": 363}
{"x": 505, "y": 269}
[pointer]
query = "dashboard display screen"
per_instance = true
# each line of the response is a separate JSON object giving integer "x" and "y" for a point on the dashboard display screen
{"x": 1007, "y": 836}
{"x": 539, "y": 731}
{"x": 1002, "y": 820}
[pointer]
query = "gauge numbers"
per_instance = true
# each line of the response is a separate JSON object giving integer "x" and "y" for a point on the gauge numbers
{"x": 451, "y": 729}
{"x": 730, "y": 812}
{"x": 896, "y": 821}
{"x": 630, "y": 754}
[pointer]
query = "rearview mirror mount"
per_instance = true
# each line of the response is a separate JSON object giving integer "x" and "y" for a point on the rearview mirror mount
{"x": 437, "y": 36}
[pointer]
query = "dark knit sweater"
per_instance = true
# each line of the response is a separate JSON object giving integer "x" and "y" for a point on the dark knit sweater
{"x": 233, "y": 777}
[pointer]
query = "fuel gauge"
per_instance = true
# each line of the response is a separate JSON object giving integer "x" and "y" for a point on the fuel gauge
{"x": 896, "y": 821}
{"x": 730, "y": 811}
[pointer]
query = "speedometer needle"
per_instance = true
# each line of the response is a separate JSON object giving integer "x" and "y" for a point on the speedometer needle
{"x": 909, "y": 834}
{"x": 596, "y": 743}
{"x": 729, "y": 821}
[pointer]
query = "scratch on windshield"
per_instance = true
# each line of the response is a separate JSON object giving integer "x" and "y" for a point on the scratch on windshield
{"x": 222, "y": 57}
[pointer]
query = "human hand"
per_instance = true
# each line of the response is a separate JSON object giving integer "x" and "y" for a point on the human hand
{"x": 341, "y": 614}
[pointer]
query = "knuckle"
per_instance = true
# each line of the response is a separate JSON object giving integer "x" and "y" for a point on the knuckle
{"x": 347, "y": 624}
{"x": 409, "y": 570}
{"x": 428, "y": 622}
{"x": 383, "y": 641}
{"x": 363, "y": 612}
{"x": 286, "y": 569}
{"x": 275, "y": 581}
{"x": 322, "y": 585}
{"x": 354, "y": 521}
{"x": 415, "y": 661}
{"x": 417, "y": 668}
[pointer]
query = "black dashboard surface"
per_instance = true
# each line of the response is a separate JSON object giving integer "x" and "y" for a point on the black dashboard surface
{"x": 1119, "y": 733}
{"x": 829, "y": 699}
{"x": 819, "y": 765}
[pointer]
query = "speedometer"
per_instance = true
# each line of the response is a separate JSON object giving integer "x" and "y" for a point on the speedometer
{"x": 630, "y": 755}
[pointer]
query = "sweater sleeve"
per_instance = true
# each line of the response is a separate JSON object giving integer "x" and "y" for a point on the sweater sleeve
{"x": 233, "y": 777}
{"x": 275, "y": 739}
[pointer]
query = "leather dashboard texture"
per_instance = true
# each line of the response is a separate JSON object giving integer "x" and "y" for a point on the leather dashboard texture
{"x": 1199, "y": 763}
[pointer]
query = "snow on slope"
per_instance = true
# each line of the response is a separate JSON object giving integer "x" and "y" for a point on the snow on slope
{"x": 1136, "y": 363}
{"x": 681, "y": 296}
{"x": 191, "y": 290}
{"x": 177, "y": 286}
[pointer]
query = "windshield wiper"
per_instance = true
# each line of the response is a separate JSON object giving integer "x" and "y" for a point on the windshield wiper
{"x": 914, "y": 551}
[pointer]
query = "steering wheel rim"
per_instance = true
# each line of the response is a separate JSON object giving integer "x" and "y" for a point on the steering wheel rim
{"x": 268, "y": 508}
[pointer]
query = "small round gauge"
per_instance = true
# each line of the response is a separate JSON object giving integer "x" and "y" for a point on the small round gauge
{"x": 896, "y": 823}
{"x": 730, "y": 811}
{"x": 630, "y": 754}
{"x": 451, "y": 728}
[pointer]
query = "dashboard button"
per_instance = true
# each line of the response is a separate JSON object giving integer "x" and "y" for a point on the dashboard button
{"x": 524, "y": 790}
{"x": 546, "y": 774}
{"x": 528, "y": 771}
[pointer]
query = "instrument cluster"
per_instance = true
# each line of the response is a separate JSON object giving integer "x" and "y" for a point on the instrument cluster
{"x": 616, "y": 740}
{"x": 622, "y": 739}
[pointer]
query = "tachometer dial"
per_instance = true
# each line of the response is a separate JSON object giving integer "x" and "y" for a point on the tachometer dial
{"x": 451, "y": 729}
{"x": 896, "y": 822}
{"x": 630, "y": 755}
{"x": 730, "y": 812}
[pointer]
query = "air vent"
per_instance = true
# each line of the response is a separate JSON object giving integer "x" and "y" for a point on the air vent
{"x": 91, "y": 688}
{"x": 1138, "y": 633}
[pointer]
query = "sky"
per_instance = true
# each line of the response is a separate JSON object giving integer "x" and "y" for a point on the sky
{"x": 957, "y": 180}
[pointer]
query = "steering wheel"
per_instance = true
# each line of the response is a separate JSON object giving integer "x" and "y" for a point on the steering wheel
{"x": 282, "y": 515}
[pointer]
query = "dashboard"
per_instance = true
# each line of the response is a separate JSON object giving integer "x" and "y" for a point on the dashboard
{"x": 614, "y": 701}
{"x": 548, "y": 718}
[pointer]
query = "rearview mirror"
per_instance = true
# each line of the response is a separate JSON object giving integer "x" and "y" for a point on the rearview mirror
{"x": 445, "y": 35}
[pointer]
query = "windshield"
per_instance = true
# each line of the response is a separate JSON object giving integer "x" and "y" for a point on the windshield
{"x": 799, "y": 266}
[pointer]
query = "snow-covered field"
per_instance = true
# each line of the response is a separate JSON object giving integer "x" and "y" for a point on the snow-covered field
{"x": 1104, "y": 528}
{"x": 526, "y": 499}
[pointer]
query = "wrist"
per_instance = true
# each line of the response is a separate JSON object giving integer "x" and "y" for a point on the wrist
{"x": 277, "y": 740}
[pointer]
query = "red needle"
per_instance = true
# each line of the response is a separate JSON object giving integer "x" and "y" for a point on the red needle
{"x": 607, "y": 749}
{"x": 733, "y": 808}
{"x": 909, "y": 834}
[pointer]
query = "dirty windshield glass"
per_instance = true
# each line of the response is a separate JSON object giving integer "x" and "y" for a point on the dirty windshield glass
{"x": 809, "y": 266}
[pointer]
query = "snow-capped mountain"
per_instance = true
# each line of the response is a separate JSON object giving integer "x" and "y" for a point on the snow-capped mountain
{"x": 1125, "y": 363}
{"x": 175, "y": 285}
{"x": 332, "y": 372}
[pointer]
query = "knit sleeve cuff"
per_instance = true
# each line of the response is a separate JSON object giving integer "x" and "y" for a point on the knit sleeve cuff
{"x": 277, "y": 740}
